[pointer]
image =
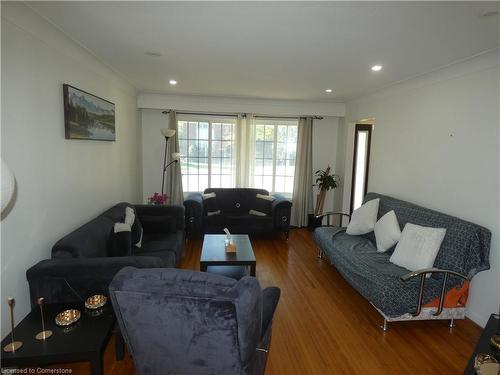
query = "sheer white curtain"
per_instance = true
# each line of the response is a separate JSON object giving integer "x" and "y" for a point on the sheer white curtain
{"x": 173, "y": 183}
{"x": 302, "y": 198}
{"x": 245, "y": 144}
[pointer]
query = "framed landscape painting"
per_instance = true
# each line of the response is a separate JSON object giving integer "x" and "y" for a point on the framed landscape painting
{"x": 87, "y": 116}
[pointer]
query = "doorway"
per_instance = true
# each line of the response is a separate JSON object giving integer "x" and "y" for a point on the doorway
{"x": 361, "y": 164}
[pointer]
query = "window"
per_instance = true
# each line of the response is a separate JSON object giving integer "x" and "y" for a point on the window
{"x": 275, "y": 152}
{"x": 207, "y": 153}
{"x": 361, "y": 160}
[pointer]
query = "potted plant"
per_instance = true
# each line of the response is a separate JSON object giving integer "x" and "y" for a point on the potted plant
{"x": 325, "y": 181}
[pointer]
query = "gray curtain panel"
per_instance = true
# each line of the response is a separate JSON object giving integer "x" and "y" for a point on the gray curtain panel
{"x": 173, "y": 183}
{"x": 302, "y": 198}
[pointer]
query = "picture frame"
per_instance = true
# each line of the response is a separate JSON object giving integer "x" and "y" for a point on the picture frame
{"x": 87, "y": 116}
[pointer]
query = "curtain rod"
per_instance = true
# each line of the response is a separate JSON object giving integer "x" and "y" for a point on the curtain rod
{"x": 238, "y": 114}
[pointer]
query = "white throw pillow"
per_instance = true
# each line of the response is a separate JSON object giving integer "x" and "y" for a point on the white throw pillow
{"x": 418, "y": 246}
{"x": 269, "y": 198}
{"x": 387, "y": 232}
{"x": 129, "y": 216}
{"x": 364, "y": 218}
{"x": 122, "y": 227}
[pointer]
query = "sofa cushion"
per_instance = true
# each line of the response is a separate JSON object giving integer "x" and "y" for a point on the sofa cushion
{"x": 153, "y": 224}
{"x": 236, "y": 201}
{"x": 210, "y": 204}
{"x": 158, "y": 242}
{"x": 262, "y": 203}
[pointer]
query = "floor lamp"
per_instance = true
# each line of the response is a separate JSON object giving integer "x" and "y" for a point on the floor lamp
{"x": 168, "y": 133}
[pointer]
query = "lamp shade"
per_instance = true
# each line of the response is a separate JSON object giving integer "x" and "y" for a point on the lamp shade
{"x": 176, "y": 156}
{"x": 168, "y": 133}
{"x": 8, "y": 185}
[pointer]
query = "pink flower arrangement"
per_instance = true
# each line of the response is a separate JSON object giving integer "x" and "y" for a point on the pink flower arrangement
{"x": 157, "y": 199}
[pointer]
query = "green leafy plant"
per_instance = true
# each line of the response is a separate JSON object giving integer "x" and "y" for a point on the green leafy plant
{"x": 324, "y": 181}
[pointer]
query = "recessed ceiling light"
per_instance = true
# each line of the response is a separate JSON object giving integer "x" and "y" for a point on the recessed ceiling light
{"x": 377, "y": 68}
{"x": 153, "y": 54}
{"x": 172, "y": 82}
{"x": 328, "y": 90}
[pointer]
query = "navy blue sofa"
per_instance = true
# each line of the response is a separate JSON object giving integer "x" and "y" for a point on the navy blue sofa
{"x": 82, "y": 264}
{"x": 235, "y": 204}
{"x": 182, "y": 322}
{"x": 393, "y": 290}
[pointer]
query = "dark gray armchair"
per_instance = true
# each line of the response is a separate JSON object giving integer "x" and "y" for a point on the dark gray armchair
{"x": 186, "y": 323}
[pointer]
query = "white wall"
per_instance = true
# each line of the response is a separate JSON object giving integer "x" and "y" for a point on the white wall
{"x": 152, "y": 120}
{"x": 60, "y": 183}
{"x": 240, "y": 105}
{"x": 436, "y": 142}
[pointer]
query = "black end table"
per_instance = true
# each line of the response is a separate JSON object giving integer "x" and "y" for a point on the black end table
{"x": 213, "y": 252}
{"x": 483, "y": 346}
{"x": 85, "y": 340}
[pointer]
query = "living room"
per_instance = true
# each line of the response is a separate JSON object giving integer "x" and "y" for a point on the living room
{"x": 396, "y": 98}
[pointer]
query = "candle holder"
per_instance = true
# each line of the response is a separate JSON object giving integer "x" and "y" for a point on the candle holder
{"x": 13, "y": 345}
{"x": 44, "y": 334}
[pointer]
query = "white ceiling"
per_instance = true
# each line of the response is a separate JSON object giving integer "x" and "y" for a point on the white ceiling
{"x": 281, "y": 50}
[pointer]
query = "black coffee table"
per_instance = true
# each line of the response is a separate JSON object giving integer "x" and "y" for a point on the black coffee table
{"x": 86, "y": 340}
{"x": 213, "y": 253}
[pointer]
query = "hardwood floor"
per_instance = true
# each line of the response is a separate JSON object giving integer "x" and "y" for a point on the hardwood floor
{"x": 323, "y": 326}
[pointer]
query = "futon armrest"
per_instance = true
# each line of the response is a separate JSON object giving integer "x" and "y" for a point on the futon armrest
{"x": 175, "y": 211}
{"x": 428, "y": 271}
{"x": 194, "y": 212}
{"x": 422, "y": 274}
{"x": 74, "y": 279}
{"x": 333, "y": 213}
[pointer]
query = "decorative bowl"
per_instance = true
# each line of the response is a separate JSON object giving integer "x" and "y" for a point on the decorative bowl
{"x": 483, "y": 361}
{"x": 495, "y": 342}
{"x": 67, "y": 317}
{"x": 96, "y": 301}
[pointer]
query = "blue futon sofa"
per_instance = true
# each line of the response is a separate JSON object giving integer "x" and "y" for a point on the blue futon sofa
{"x": 393, "y": 290}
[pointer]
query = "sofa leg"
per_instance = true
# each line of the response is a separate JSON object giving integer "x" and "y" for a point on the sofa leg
{"x": 452, "y": 323}
{"x": 320, "y": 254}
{"x": 385, "y": 326}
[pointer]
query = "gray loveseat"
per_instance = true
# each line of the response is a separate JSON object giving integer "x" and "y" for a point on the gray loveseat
{"x": 394, "y": 291}
{"x": 83, "y": 262}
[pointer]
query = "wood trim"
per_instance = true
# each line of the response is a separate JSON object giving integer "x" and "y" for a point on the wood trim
{"x": 358, "y": 128}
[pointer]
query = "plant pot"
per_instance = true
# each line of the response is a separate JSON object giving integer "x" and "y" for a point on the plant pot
{"x": 313, "y": 222}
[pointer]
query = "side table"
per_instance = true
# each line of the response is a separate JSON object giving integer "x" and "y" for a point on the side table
{"x": 85, "y": 340}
